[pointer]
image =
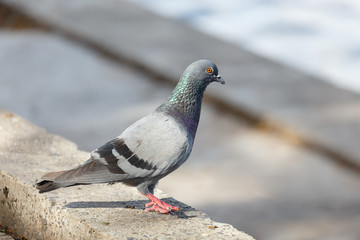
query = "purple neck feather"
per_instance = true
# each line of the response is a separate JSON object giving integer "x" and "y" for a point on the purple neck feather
{"x": 184, "y": 104}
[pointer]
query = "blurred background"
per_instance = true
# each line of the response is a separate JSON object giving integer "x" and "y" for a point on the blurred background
{"x": 317, "y": 37}
{"x": 277, "y": 149}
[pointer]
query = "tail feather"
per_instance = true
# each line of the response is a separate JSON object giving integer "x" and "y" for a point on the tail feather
{"x": 87, "y": 173}
{"x": 47, "y": 186}
{"x": 49, "y": 183}
{"x": 52, "y": 175}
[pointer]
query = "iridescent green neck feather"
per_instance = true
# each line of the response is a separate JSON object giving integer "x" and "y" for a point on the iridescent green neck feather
{"x": 184, "y": 104}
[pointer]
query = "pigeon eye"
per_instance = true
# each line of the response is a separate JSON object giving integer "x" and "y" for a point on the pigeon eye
{"x": 209, "y": 70}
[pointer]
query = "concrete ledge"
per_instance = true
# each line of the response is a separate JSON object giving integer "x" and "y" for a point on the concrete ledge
{"x": 85, "y": 212}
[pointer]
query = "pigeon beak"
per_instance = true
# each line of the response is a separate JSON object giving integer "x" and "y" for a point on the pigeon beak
{"x": 219, "y": 79}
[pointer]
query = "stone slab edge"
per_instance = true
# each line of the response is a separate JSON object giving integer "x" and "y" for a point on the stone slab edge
{"x": 22, "y": 208}
{"x": 27, "y": 151}
{"x": 36, "y": 217}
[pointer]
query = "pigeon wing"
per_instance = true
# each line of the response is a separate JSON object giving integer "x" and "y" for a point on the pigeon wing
{"x": 149, "y": 147}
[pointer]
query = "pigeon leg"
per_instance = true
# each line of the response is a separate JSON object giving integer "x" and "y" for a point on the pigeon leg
{"x": 157, "y": 205}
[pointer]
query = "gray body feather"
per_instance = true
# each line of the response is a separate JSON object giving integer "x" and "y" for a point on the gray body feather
{"x": 146, "y": 151}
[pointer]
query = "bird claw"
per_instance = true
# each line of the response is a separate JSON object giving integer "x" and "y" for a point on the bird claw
{"x": 149, "y": 204}
{"x": 156, "y": 208}
{"x": 159, "y": 206}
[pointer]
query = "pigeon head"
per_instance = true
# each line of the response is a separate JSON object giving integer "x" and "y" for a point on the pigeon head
{"x": 202, "y": 72}
{"x": 184, "y": 104}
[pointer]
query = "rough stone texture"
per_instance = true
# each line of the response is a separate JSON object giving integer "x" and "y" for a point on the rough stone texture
{"x": 86, "y": 212}
{"x": 4, "y": 236}
{"x": 312, "y": 109}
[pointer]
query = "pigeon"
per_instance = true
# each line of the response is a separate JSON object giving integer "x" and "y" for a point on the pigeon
{"x": 150, "y": 148}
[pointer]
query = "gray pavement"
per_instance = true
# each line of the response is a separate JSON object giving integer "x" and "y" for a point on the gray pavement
{"x": 239, "y": 174}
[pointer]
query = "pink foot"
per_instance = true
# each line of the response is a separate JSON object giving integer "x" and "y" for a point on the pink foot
{"x": 158, "y": 206}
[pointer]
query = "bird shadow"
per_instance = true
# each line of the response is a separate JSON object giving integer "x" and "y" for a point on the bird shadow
{"x": 132, "y": 205}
